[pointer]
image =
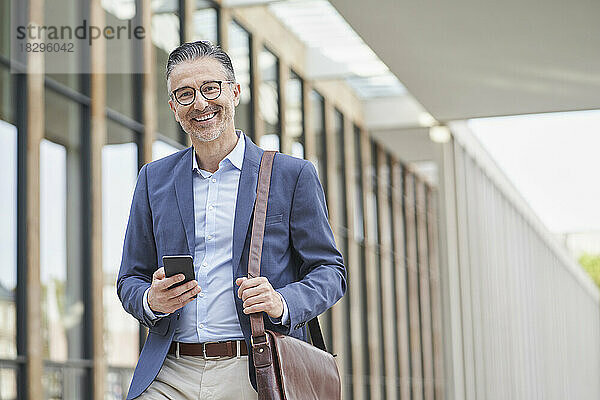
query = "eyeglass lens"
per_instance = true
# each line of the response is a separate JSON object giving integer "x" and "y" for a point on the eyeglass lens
{"x": 209, "y": 90}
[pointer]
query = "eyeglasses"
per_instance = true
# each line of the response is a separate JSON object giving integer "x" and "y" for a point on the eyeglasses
{"x": 210, "y": 90}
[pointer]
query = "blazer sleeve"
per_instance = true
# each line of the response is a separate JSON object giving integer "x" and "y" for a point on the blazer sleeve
{"x": 321, "y": 268}
{"x": 138, "y": 262}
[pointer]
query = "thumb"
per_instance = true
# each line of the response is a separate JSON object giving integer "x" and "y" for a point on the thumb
{"x": 239, "y": 281}
{"x": 159, "y": 273}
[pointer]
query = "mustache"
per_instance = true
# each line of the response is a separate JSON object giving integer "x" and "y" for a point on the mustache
{"x": 195, "y": 113}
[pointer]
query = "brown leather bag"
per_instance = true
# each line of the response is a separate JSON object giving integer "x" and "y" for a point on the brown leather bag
{"x": 286, "y": 368}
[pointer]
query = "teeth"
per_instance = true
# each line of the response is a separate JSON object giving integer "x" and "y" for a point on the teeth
{"x": 206, "y": 117}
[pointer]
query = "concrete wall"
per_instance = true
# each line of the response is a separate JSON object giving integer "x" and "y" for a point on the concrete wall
{"x": 521, "y": 318}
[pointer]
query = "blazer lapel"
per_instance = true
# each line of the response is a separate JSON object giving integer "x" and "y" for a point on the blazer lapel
{"x": 185, "y": 197}
{"x": 246, "y": 196}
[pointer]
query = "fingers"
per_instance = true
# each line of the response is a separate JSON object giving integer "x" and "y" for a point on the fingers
{"x": 184, "y": 298}
{"x": 160, "y": 281}
{"x": 175, "y": 303}
{"x": 258, "y": 296}
{"x": 181, "y": 289}
{"x": 166, "y": 283}
{"x": 164, "y": 298}
{"x": 246, "y": 283}
{"x": 269, "y": 303}
{"x": 256, "y": 309}
{"x": 254, "y": 291}
{"x": 168, "y": 301}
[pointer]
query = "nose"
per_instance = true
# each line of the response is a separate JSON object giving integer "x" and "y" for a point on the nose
{"x": 200, "y": 102}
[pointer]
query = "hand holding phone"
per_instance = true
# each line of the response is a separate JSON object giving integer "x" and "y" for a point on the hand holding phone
{"x": 179, "y": 265}
{"x": 173, "y": 286}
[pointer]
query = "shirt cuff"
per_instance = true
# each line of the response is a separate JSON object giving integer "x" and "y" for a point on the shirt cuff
{"x": 285, "y": 317}
{"x": 149, "y": 313}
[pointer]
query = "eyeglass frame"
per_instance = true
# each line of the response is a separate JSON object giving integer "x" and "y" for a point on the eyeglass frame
{"x": 173, "y": 96}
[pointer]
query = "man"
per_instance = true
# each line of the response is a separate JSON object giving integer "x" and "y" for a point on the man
{"x": 199, "y": 202}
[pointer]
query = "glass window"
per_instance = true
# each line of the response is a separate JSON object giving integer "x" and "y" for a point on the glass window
{"x": 359, "y": 236}
{"x": 121, "y": 9}
{"x": 161, "y": 148}
{"x": 8, "y": 383}
{"x": 375, "y": 226}
{"x": 120, "y": 86}
{"x": 61, "y": 244}
{"x": 204, "y": 21}
{"x": 317, "y": 104}
{"x": 8, "y": 244}
{"x": 5, "y": 23}
{"x": 359, "y": 232}
{"x": 387, "y": 176}
{"x": 165, "y": 25}
{"x": 383, "y": 175}
{"x": 390, "y": 203}
{"x": 294, "y": 114}
{"x": 317, "y": 121}
{"x": 165, "y": 38}
{"x": 121, "y": 330}
{"x": 342, "y": 229}
{"x": 338, "y": 128}
{"x": 65, "y": 13}
{"x": 268, "y": 99}
{"x": 373, "y": 212}
{"x": 6, "y": 102}
{"x": 8, "y": 233}
{"x": 239, "y": 52}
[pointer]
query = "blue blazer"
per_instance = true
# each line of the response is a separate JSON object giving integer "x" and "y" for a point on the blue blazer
{"x": 299, "y": 256}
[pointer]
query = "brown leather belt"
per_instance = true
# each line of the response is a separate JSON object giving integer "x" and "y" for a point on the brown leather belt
{"x": 210, "y": 350}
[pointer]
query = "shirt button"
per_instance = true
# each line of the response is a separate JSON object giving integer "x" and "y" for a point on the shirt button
{"x": 201, "y": 326}
{"x": 201, "y": 294}
{"x": 205, "y": 264}
{"x": 209, "y": 237}
{"x": 211, "y": 207}
{"x": 213, "y": 180}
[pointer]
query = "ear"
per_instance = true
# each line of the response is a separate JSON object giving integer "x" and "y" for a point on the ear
{"x": 172, "y": 105}
{"x": 237, "y": 90}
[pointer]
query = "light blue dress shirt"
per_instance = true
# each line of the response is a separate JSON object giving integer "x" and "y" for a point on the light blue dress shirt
{"x": 212, "y": 316}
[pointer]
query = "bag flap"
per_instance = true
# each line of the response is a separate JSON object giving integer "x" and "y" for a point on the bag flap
{"x": 307, "y": 372}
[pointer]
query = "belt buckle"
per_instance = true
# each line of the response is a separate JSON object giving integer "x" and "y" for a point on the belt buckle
{"x": 207, "y": 357}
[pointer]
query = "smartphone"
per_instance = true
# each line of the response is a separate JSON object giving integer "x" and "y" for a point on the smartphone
{"x": 179, "y": 265}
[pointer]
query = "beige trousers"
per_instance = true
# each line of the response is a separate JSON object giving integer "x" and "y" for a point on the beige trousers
{"x": 194, "y": 378}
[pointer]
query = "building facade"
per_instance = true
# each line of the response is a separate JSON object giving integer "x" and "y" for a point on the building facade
{"x": 73, "y": 144}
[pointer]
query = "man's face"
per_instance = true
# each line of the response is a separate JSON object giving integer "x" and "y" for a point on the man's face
{"x": 204, "y": 120}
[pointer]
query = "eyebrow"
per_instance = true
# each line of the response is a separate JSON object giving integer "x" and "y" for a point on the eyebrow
{"x": 203, "y": 82}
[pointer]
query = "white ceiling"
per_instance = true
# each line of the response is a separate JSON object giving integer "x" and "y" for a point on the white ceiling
{"x": 335, "y": 51}
{"x": 477, "y": 58}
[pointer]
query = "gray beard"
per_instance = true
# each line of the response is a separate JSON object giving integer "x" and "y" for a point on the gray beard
{"x": 215, "y": 134}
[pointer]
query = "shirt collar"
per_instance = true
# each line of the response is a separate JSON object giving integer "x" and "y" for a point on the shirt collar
{"x": 235, "y": 156}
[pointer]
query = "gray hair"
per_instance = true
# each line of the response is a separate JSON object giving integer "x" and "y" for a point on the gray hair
{"x": 202, "y": 48}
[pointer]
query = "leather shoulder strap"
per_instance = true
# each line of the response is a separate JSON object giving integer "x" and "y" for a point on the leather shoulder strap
{"x": 258, "y": 233}
{"x": 256, "y": 242}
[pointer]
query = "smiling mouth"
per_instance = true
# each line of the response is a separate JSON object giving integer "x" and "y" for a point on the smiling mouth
{"x": 206, "y": 117}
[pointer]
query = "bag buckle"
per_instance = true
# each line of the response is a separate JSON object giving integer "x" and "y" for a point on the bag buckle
{"x": 252, "y": 340}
